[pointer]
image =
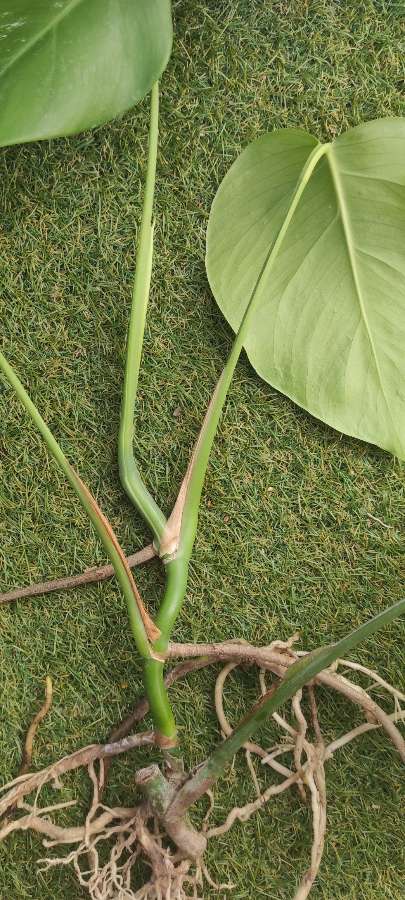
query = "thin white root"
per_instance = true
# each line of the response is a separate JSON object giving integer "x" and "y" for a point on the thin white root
{"x": 243, "y": 813}
{"x": 376, "y": 679}
{"x": 356, "y": 732}
{"x": 252, "y": 770}
{"x": 271, "y": 760}
{"x": 312, "y": 771}
{"x": 300, "y": 742}
{"x": 46, "y": 809}
{"x": 278, "y": 661}
{"x": 32, "y": 730}
{"x": 372, "y": 710}
{"x": 26, "y": 783}
{"x": 214, "y": 884}
{"x": 315, "y": 780}
{"x": 266, "y": 757}
{"x": 210, "y": 795}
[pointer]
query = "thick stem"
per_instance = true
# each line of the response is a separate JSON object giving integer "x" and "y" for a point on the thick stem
{"x": 159, "y": 794}
{"x": 155, "y": 787}
{"x": 163, "y": 719}
{"x": 130, "y": 477}
{"x": 176, "y": 583}
{"x": 142, "y": 708}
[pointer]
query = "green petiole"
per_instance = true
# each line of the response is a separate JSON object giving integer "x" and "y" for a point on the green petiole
{"x": 130, "y": 477}
{"x": 142, "y": 627}
{"x": 177, "y": 541}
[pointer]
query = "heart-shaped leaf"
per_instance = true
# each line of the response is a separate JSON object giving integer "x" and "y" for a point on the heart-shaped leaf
{"x": 326, "y": 296}
{"x": 68, "y": 65}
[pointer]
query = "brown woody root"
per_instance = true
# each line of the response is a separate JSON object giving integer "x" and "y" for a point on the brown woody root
{"x": 25, "y": 784}
{"x": 90, "y": 576}
{"x": 26, "y": 758}
{"x": 277, "y": 658}
{"x": 134, "y": 832}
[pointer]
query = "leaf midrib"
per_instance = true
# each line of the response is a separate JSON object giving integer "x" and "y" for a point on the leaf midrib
{"x": 27, "y": 47}
{"x": 347, "y": 230}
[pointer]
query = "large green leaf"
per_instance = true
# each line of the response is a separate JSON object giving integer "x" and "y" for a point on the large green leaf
{"x": 326, "y": 322}
{"x": 67, "y": 65}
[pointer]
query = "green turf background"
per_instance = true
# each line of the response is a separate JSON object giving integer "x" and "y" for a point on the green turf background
{"x": 287, "y": 537}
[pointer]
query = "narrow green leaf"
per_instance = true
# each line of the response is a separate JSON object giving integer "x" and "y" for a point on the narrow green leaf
{"x": 308, "y": 667}
{"x": 328, "y": 326}
{"x": 68, "y": 65}
{"x": 299, "y": 674}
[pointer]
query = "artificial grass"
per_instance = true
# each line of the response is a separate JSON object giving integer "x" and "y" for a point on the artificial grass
{"x": 299, "y": 527}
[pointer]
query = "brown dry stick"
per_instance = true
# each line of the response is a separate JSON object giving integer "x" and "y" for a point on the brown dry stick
{"x": 90, "y": 576}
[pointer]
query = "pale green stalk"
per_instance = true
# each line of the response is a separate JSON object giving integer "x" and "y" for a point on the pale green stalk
{"x": 100, "y": 524}
{"x": 207, "y": 434}
{"x": 129, "y": 473}
{"x": 183, "y": 522}
{"x": 130, "y": 477}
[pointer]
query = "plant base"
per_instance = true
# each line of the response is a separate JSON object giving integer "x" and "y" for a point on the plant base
{"x": 174, "y": 850}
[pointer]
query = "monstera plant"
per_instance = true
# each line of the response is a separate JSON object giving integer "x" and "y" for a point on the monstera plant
{"x": 305, "y": 257}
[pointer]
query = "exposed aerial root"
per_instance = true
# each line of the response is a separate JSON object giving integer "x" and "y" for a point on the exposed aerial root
{"x": 309, "y": 773}
{"x": 25, "y": 784}
{"x": 278, "y": 660}
{"x": 26, "y": 756}
{"x": 131, "y": 833}
{"x": 315, "y": 779}
{"x": 39, "y": 716}
{"x": 137, "y": 832}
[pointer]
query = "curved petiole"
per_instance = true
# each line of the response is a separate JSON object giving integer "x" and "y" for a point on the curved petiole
{"x": 129, "y": 473}
{"x": 178, "y": 538}
{"x": 143, "y": 629}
